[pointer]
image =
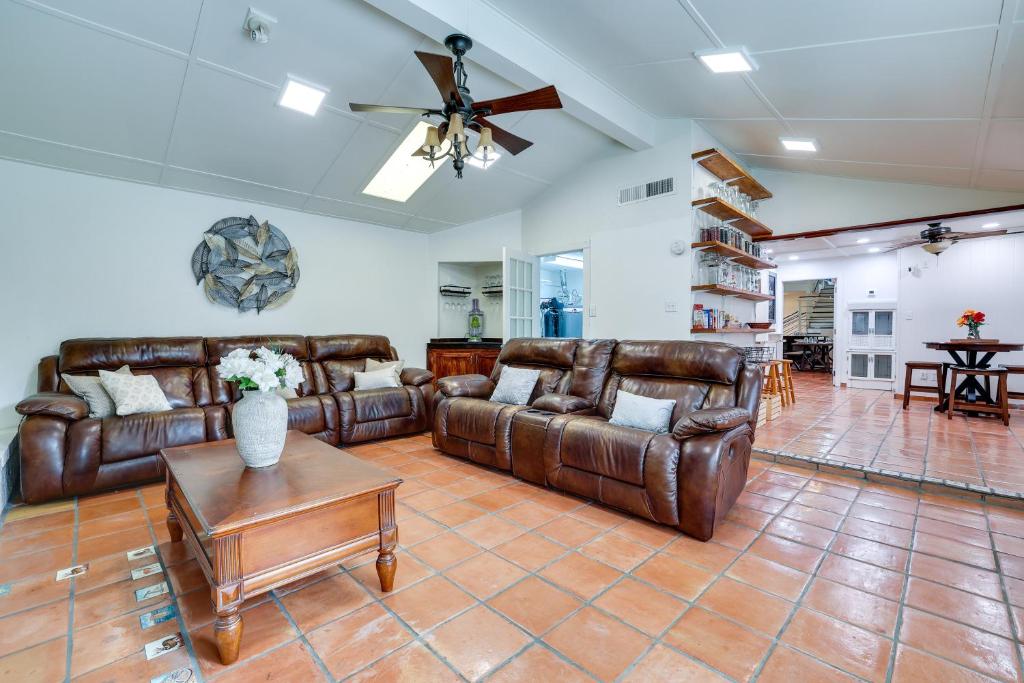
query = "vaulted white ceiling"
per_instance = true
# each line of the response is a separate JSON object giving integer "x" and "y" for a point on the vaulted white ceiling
{"x": 173, "y": 93}
{"x": 911, "y": 90}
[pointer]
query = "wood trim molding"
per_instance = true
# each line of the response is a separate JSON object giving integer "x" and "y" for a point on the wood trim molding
{"x": 826, "y": 232}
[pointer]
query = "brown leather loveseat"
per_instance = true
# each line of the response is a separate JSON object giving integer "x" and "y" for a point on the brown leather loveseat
{"x": 64, "y": 452}
{"x": 688, "y": 478}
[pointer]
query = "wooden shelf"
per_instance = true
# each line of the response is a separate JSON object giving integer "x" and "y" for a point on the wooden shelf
{"x": 724, "y": 168}
{"x": 724, "y": 211}
{"x": 737, "y": 255}
{"x": 731, "y": 291}
{"x": 727, "y": 330}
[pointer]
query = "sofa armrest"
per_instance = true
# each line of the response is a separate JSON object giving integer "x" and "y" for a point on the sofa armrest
{"x": 473, "y": 386}
{"x": 711, "y": 475}
{"x": 710, "y": 420}
{"x": 415, "y": 377}
{"x": 54, "y": 404}
{"x": 562, "y": 403}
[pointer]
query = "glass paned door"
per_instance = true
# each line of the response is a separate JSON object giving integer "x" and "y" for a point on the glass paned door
{"x": 521, "y": 281}
{"x": 859, "y": 365}
{"x": 861, "y": 323}
{"x": 882, "y": 366}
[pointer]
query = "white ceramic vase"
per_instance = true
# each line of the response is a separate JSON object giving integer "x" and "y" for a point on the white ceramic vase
{"x": 260, "y": 423}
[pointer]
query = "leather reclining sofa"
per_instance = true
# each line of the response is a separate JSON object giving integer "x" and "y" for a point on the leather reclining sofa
{"x": 64, "y": 452}
{"x": 688, "y": 478}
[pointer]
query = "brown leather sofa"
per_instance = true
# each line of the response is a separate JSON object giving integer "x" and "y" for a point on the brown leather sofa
{"x": 468, "y": 424}
{"x": 688, "y": 478}
{"x": 64, "y": 452}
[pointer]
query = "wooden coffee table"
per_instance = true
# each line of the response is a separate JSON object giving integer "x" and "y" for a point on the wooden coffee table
{"x": 254, "y": 530}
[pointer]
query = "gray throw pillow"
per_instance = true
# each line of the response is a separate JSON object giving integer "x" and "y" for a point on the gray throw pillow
{"x": 640, "y": 412}
{"x": 89, "y": 388}
{"x": 515, "y": 386}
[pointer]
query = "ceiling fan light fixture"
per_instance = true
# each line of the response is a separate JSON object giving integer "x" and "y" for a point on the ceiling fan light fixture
{"x": 936, "y": 247}
{"x": 727, "y": 60}
{"x": 433, "y": 140}
{"x": 456, "y": 133}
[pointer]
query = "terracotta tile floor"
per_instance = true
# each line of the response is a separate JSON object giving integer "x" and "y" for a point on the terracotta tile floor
{"x": 812, "y": 578}
{"x": 869, "y": 427}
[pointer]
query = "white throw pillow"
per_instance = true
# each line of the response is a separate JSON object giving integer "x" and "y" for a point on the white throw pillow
{"x": 134, "y": 393}
{"x": 89, "y": 388}
{"x": 640, "y": 412}
{"x": 396, "y": 365}
{"x": 515, "y": 386}
{"x": 378, "y": 379}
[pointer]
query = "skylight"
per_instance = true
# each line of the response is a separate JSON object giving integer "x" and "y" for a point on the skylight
{"x": 727, "y": 60}
{"x": 301, "y": 97}
{"x": 402, "y": 174}
{"x": 799, "y": 144}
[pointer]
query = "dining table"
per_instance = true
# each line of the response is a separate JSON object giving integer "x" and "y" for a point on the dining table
{"x": 975, "y": 355}
{"x": 815, "y": 355}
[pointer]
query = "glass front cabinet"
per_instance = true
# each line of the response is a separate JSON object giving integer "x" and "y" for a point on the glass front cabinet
{"x": 871, "y": 346}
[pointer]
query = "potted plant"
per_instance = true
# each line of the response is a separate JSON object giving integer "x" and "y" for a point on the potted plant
{"x": 972, "y": 320}
{"x": 260, "y": 419}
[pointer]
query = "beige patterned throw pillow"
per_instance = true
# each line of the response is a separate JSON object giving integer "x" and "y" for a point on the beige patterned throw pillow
{"x": 134, "y": 393}
{"x": 88, "y": 387}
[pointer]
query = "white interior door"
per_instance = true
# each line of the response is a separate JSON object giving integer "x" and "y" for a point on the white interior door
{"x": 521, "y": 287}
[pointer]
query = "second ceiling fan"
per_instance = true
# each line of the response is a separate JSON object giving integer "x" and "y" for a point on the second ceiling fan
{"x": 459, "y": 112}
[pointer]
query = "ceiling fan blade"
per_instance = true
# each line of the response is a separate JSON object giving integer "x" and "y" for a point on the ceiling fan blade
{"x": 545, "y": 98}
{"x": 442, "y": 72}
{"x": 513, "y": 143}
{"x": 957, "y": 236}
{"x": 385, "y": 109}
{"x": 904, "y": 245}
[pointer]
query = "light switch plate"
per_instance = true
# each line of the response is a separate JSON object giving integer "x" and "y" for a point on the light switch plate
{"x": 671, "y": 307}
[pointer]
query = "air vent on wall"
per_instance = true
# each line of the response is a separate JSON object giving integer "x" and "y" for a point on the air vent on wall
{"x": 645, "y": 191}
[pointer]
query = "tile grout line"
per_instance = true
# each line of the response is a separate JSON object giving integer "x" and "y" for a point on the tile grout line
{"x": 902, "y": 602}
{"x": 1014, "y": 626}
{"x": 186, "y": 637}
{"x": 302, "y": 636}
{"x": 71, "y": 596}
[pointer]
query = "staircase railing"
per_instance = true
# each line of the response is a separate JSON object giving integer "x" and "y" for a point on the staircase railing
{"x": 794, "y": 323}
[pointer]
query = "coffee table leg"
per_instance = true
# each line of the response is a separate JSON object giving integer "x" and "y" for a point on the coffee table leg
{"x": 173, "y": 526}
{"x": 228, "y": 629}
{"x": 387, "y": 563}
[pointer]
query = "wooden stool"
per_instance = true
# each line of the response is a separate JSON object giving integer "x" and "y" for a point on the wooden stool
{"x": 1013, "y": 370}
{"x": 1002, "y": 405}
{"x": 908, "y": 380}
{"x": 775, "y": 381}
{"x": 787, "y": 380}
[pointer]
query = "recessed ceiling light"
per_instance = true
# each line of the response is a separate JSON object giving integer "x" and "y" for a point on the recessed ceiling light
{"x": 794, "y": 257}
{"x": 301, "y": 96}
{"x": 799, "y": 144}
{"x": 769, "y": 251}
{"x": 474, "y": 160}
{"x": 874, "y": 250}
{"x": 863, "y": 240}
{"x": 727, "y": 60}
{"x": 402, "y": 174}
{"x": 989, "y": 226}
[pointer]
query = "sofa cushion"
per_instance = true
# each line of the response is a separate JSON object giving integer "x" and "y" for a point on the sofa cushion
{"x": 132, "y": 436}
{"x": 90, "y": 355}
{"x": 381, "y": 404}
{"x": 594, "y": 445}
{"x": 474, "y": 419}
{"x": 515, "y": 386}
{"x": 306, "y": 414}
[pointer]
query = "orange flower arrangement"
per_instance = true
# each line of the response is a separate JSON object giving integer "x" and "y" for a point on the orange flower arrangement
{"x": 972, "y": 320}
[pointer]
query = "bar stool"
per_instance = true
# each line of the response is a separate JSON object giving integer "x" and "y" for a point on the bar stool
{"x": 908, "y": 380}
{"x": 775, "y": 383}
{"x": 1002, "y": 405}
{"x": 1013, "y": 370}
{"x": 787, "y": 380}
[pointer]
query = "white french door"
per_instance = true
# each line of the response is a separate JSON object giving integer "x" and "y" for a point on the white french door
{"x": 519, "y": 304}
{"x": 871, "y": 355}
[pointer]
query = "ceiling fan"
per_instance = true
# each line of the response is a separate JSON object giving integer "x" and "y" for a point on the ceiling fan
{"x": 936, "y": 238}
{"x": 459, "y": 112}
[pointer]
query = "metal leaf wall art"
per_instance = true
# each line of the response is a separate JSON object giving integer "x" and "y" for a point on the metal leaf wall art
{"x": 246, "y": 264}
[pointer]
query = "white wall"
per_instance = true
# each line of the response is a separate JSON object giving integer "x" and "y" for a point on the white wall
{"x": 89, "y": 256}
{"x": 804, "y": 201}
{"x": 986, "y": 275}
{"x": 855, "y": 277}
{"x": 632, "y": 273}
{"x": 453, "y": 312}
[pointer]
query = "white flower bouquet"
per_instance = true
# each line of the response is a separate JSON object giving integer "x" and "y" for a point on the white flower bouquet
{"x": 262, "y": 369}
